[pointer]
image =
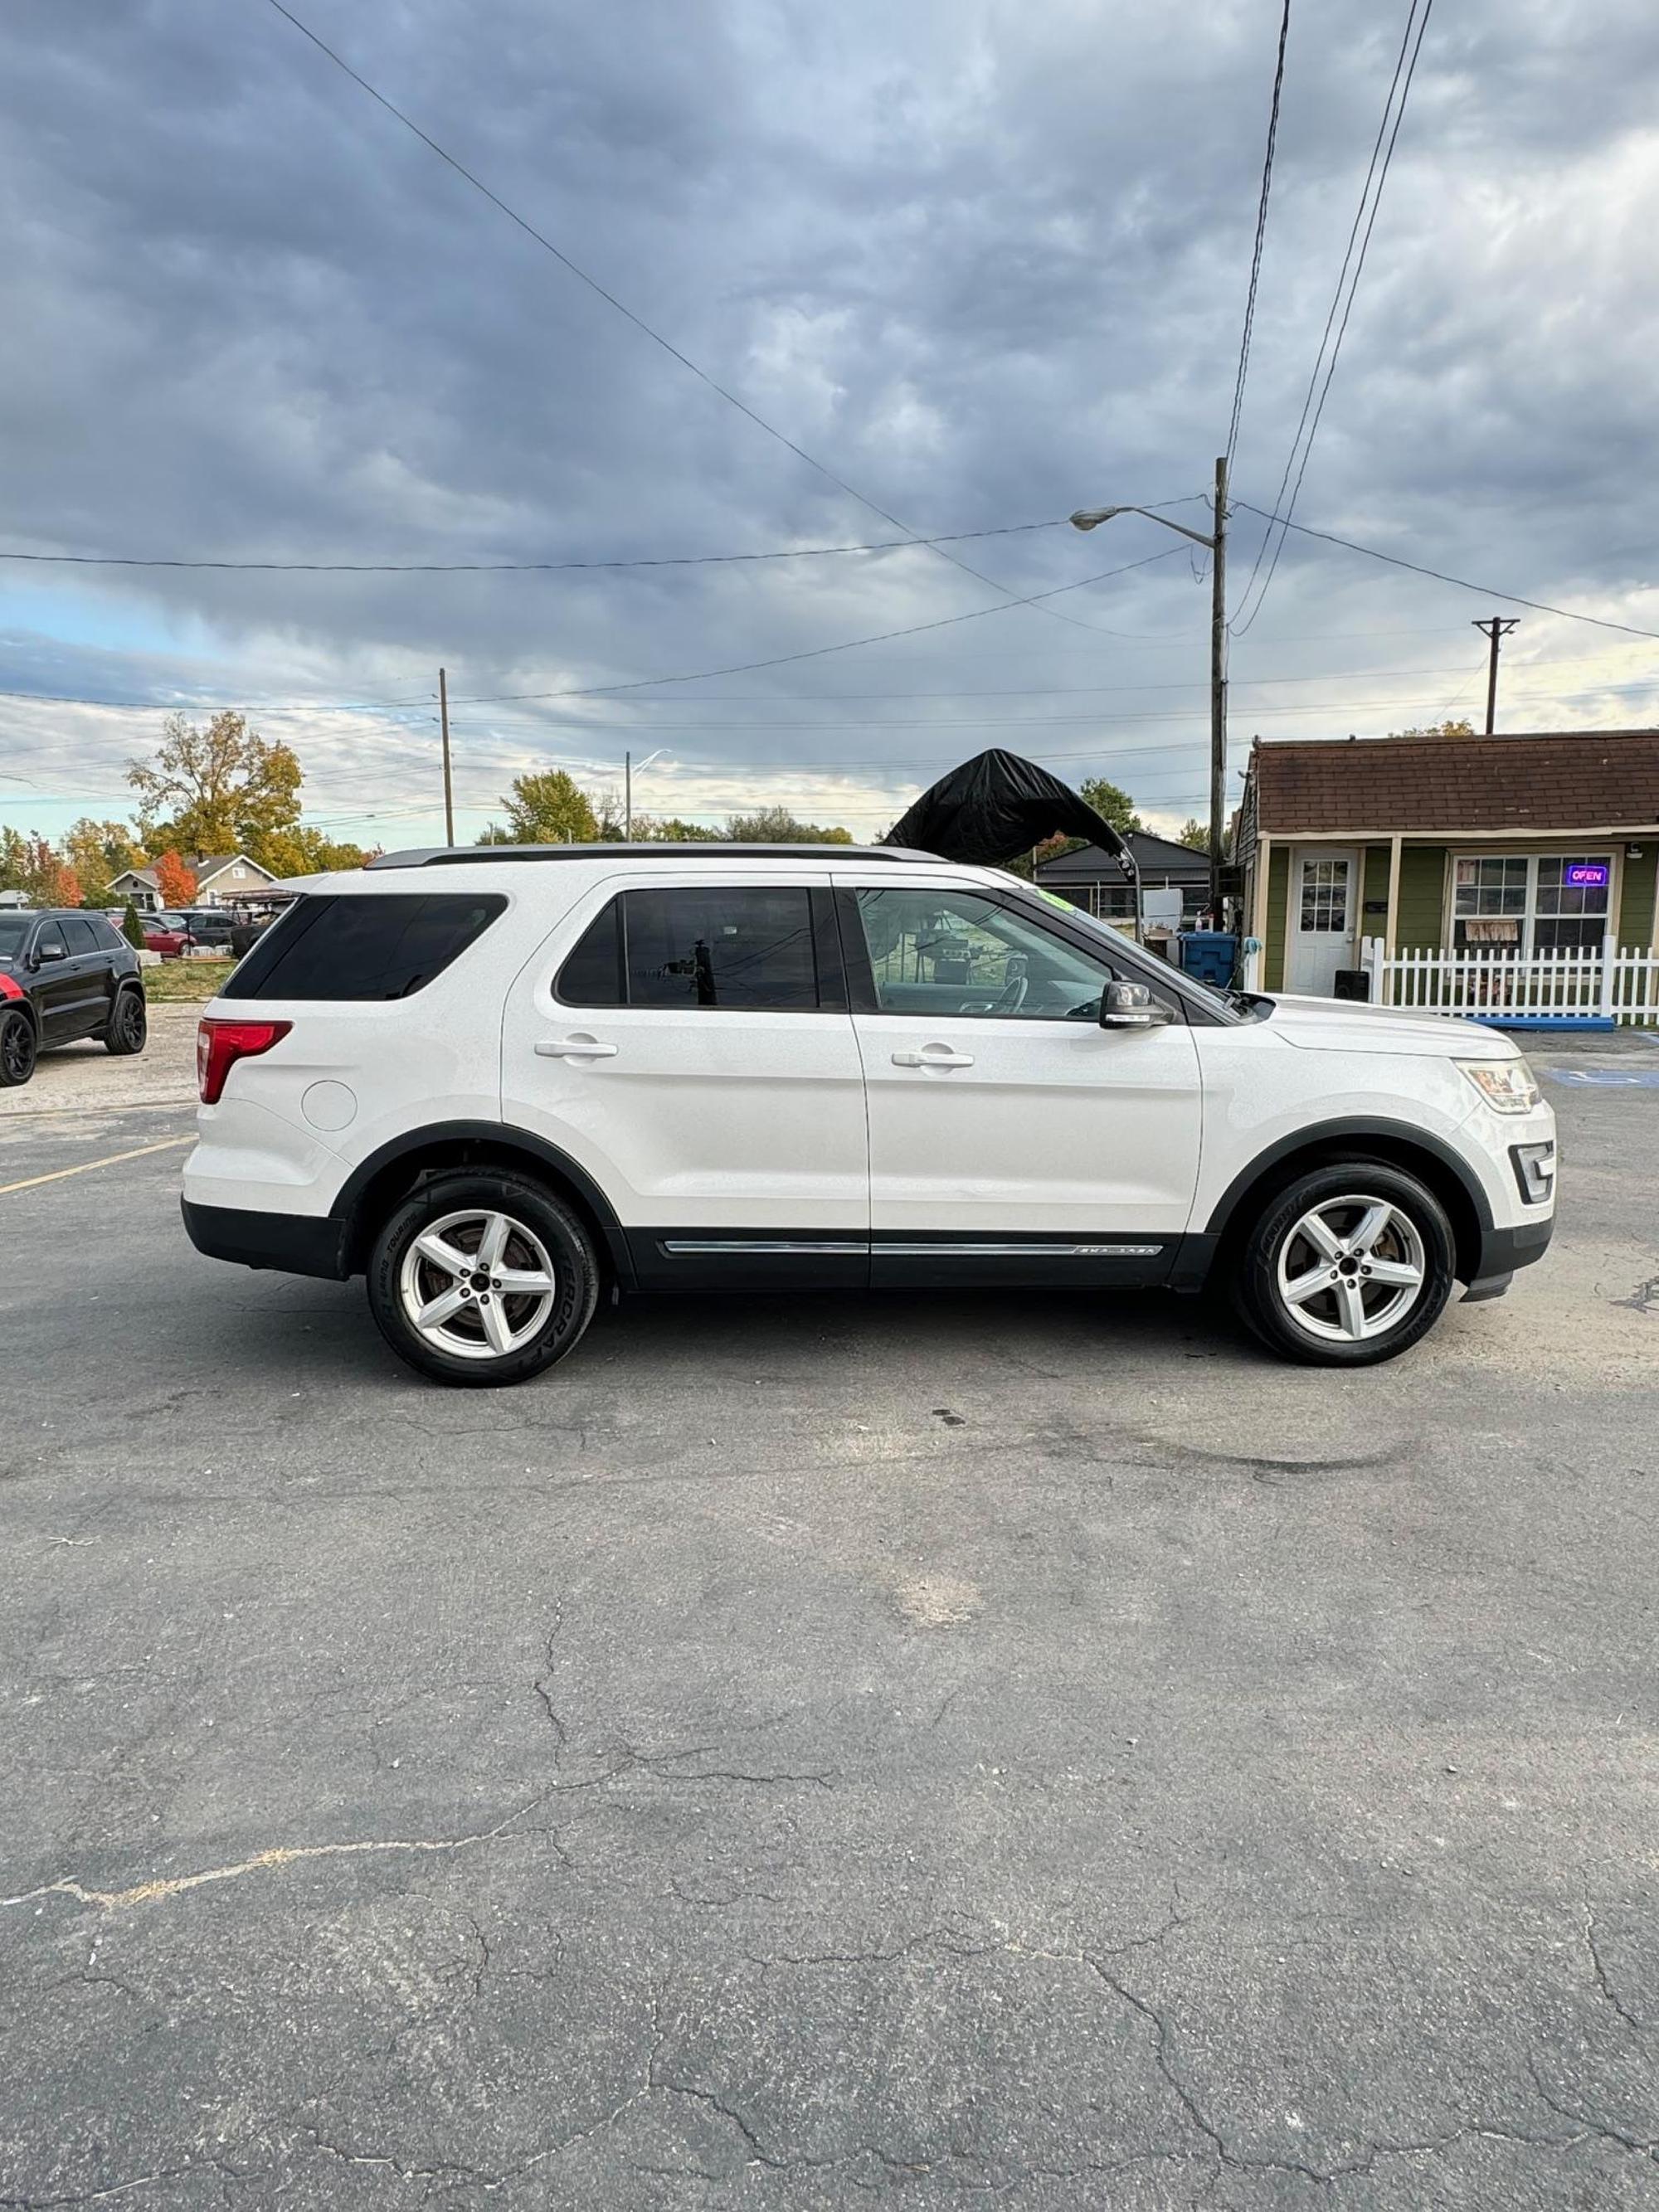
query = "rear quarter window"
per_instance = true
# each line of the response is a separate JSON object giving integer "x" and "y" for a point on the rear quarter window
{"x": 374, "y": 946}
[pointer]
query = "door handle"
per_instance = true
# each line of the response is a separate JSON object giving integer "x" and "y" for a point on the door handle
{"x": 934, "y": 1055}
{"x": 574, "y": 1048}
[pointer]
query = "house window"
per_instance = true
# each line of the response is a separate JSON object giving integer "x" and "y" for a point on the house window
{"x": 1523, "y": 904}
{"x": 1325, "y": 895}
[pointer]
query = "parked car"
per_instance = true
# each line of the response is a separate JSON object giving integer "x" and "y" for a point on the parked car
{"x": 165, "y": 933}
{"x": 210, "y": 926}
{"x": 499, "y": 1083}
{"x": 65, "y": 975}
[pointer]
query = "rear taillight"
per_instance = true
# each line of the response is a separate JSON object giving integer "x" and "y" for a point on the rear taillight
{"x": 10, "y": 987}
{"x": 221, "y": 1044}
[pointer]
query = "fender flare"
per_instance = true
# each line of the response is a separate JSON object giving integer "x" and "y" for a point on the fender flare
{"x": 1326, "y": 1132}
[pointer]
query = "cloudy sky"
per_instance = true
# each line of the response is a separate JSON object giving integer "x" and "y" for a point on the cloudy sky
{"x": 984, "y": 263}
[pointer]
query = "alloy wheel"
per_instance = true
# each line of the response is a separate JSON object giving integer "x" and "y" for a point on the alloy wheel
{"x": 17, "y": 1049}
{"x": 476, "y": 1285}
{"x": 1351, "y": 1268}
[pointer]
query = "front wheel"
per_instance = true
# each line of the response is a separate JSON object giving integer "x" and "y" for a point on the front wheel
{"x": 482, "y": 1280}
{"x": 17, "y": 1048}
{"x": 1349, "y": 1265}
{"x": 128, "y": 1025}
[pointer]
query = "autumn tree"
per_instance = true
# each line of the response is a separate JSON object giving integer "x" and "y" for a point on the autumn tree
{"x": 1438, "y": 730}
{"x": 30, "y": 864}
{"x": 175, "y": 884}
{"x": 549, "y": 808}
{"x": 99, "y": 852}
{"x": 671, "y": 830}
{"x": 776, "y": 825}
{"x": 221, "y": 789}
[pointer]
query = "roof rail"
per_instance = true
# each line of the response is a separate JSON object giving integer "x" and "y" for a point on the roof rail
{"x": 438, "y": 856}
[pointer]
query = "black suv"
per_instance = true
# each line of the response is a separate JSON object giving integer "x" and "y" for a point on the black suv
{"x": 65, "y": 976}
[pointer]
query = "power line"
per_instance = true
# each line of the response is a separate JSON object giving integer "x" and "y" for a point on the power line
{"x": 1308, "y": 403}
{"x": 1260, "y": 236}
{"x": 513, "y": 568}
{"x": 639, "y": 322}
{"x": 1440, "y": 575}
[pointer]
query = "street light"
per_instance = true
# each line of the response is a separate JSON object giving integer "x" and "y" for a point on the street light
{"x": 628, "y": 788}
{"x": 1091, "y": 518}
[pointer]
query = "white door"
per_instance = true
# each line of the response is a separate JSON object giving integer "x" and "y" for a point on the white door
{"x": 1005, "y": 1125}
{"x": 1324, "y": 908}
{"x": 673, "y": 1039}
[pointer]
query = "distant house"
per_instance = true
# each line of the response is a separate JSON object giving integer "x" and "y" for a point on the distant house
{"x": 222, "y": 879}
{"x": 1093, "y": 880}
{"x": 1530, "y": 844}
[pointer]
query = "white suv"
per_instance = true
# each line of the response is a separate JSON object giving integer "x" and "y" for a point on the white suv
{"x": 498, "y": 1082}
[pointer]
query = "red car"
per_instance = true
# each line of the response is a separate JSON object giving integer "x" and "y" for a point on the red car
{"x": 165, "y": 933}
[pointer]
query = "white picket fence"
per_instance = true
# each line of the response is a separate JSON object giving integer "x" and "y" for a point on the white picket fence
{"x": 1491, "y": 984}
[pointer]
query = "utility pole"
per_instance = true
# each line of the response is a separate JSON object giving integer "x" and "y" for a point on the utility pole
{"x": 628, "y": 798}
{"x": 449, "y": 791}
{"x": 1091, "y": 518}
{"x": 1494, "y": 626}
{"x": 1217, "y": 690}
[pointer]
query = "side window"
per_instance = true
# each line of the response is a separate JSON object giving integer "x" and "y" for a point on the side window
{"x": 716, "y": 945}
{"x": 953, "y": 952}
{"x": 79, "y": 936}
{"x": 51, "y": 945}
{"x": 371, "y": 946}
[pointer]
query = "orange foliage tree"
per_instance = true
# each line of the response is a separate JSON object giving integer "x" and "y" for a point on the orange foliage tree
{"x": 173, "y": 880}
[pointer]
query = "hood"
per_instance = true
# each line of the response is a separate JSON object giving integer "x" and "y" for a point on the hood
{"x": 1349, "y": 1025}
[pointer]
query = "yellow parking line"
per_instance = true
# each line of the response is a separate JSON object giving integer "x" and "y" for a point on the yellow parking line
{"x": 143, "y": 1152}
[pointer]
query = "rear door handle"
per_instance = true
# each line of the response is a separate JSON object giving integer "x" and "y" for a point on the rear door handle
{"x": 574, "y": 1048}
{"x": 934, "y": 1055}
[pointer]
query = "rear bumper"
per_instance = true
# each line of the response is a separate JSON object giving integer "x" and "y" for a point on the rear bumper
{"x": 295, "y": 1243}
{"x": 1503, "y": 1251}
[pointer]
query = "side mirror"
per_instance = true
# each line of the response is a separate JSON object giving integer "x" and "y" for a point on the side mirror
{"x": 1130, "y": 1006}
{"x": 44, "y": 952}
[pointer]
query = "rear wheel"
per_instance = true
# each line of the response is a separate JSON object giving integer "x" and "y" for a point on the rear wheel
{"x": 17, "y": 1048}
{"x": 128, "y": 1025}
{"x": 1351, "y": 1265}
{"x": 482, "y": 1280}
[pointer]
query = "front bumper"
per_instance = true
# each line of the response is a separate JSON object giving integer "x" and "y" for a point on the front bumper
{"x": 1503, "y": 1251}
{"x": 294, "y": 1243}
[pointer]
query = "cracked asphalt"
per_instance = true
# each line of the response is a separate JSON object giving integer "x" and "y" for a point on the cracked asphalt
{"x": 932, "y": 1751}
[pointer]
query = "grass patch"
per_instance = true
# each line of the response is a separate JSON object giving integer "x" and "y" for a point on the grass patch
{"x": 184, "y": 982}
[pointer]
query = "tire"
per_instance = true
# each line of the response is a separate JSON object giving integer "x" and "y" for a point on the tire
{"x": 128, "y": 1025}
{"x": 18, "y": 1048}
{"x": 1310, "y": 1237}
{"x": 487, "y": 1338}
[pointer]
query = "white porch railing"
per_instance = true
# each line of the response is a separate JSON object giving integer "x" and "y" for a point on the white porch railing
{"x": 1489, "y": 984}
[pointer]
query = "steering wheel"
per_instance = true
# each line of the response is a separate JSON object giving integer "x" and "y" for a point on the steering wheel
{"x": 1013, "y": 995}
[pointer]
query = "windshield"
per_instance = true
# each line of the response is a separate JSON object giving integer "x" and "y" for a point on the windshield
{"x": 14, "y": 928}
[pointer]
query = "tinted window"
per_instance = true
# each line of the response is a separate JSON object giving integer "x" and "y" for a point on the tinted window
{"x": 80, "y": 936}
{"x": 49, "y": 942}
{"x": 591, "y": 976}
{"x": 105, "y": 935}
{"x": 14, "y": 928}
{"x": 374, "y": 947}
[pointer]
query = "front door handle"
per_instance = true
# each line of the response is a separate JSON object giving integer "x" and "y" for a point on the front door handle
{"x": 934, "y": 1055}
{"x": 574, "y": 1048}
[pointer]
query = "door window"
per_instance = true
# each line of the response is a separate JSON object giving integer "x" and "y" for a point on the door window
{"x": 718, "y": 945}
{"x": 49, "y": 945}
{"x": 79, "y": 936}
{"x": 955, "y": 952}
{"x": 1325, "y": 897}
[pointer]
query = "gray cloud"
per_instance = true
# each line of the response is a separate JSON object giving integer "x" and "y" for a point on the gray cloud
{"x": 986, "y": 262}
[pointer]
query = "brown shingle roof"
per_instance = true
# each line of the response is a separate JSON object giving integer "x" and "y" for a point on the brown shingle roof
{"x": 1538, "y": 782}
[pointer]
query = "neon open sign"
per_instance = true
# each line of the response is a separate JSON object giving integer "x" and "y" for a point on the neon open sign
{"x": 1588, "y": 875}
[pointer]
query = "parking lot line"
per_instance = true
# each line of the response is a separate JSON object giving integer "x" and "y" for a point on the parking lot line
{"x": 113, "y": 1159}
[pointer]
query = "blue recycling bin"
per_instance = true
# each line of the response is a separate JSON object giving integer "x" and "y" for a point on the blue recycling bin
{"x": 1210, "y": 955}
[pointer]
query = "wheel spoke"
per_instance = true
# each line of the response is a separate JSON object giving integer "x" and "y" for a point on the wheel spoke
{"x": 528, "y": 1282}
{"x": 1352, "y": 1307}
{"x": 439, "y": 1310}
{"x": 1399, "y": 1272}
{"x": 442, "y": 1254}
{"x": 1309, "y": 1285}
{"x": 1376, "y": 1219}
{"x": 1320, "y": 1234}
{"x": 495, "y": 1326}
{"x": 493, "y": 1243}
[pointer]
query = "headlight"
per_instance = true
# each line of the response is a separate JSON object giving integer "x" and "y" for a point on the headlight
{"x": 1507, "y": 1085}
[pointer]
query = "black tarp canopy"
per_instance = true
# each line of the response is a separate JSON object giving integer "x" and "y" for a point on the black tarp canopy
{"x": 996, "y": 806}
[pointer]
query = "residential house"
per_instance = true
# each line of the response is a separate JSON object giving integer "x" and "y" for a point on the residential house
{"x": 1521, "y": 845}
{"x": 222, "y": 879}
{"x": 1093, "y": 880}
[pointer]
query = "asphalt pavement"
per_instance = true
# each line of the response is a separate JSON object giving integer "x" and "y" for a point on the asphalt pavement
{"x": 1029, "y": 1750}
